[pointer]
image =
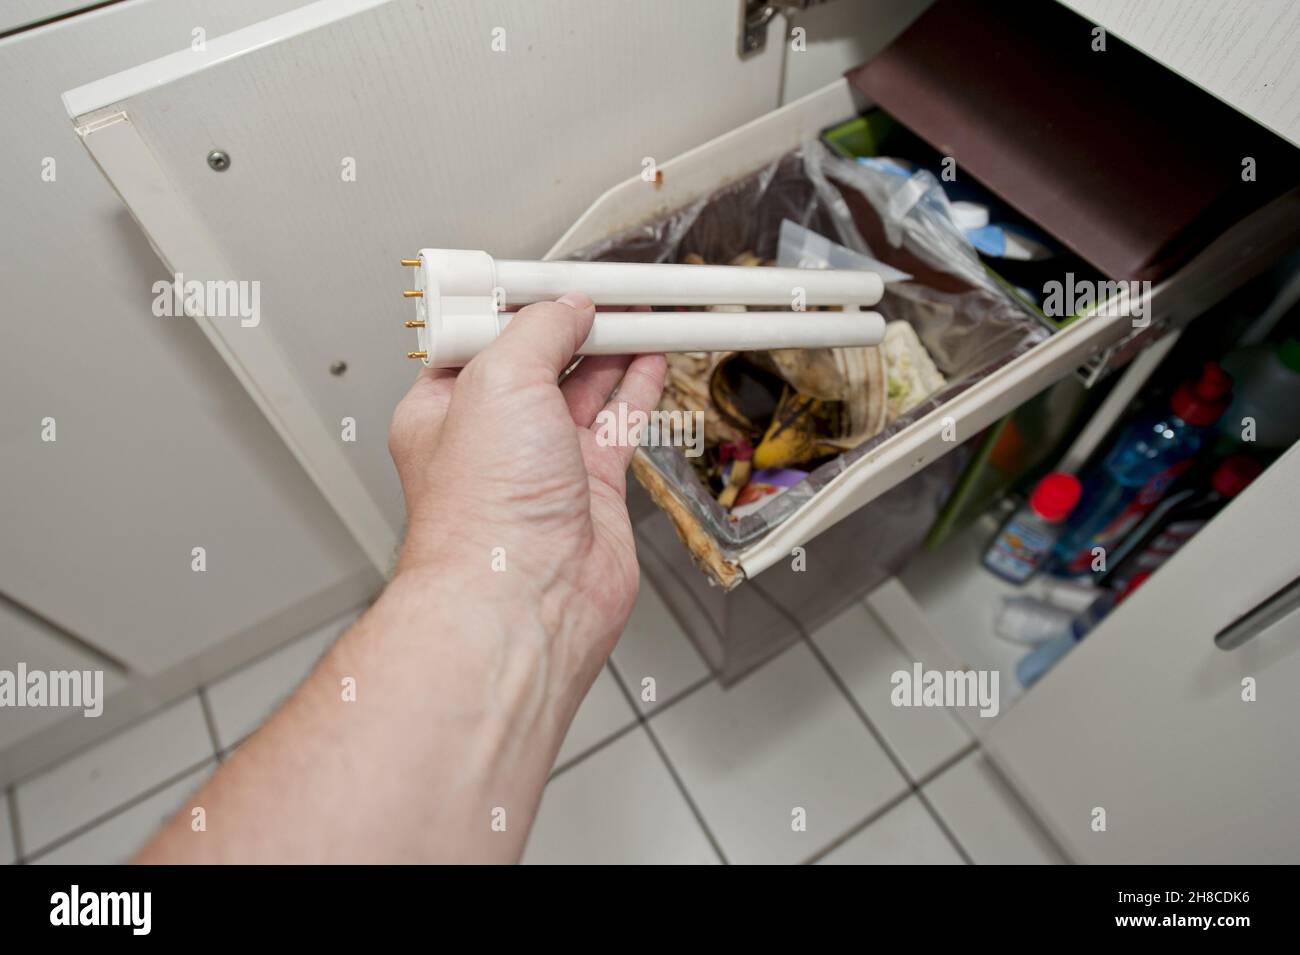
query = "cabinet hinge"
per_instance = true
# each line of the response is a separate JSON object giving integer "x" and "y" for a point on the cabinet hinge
{"x": 755, "y": 15}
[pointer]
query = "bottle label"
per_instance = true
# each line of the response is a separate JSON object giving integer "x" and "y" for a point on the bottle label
{"x": 1161, "y": 548}
{"x": 1110, "y": 535}
{"x": 1019, "y": 549}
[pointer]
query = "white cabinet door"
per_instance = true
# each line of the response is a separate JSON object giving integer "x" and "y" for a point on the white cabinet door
{"x": 1242, "y": 51}
{"x": 147, "y": 453}
{"x": 359, "y": 131}
{"x": 1190, "y": 750}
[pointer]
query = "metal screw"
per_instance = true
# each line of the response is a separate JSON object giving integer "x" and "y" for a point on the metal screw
{"x": 219, "y": 160}
{"x": 338, "y": 368}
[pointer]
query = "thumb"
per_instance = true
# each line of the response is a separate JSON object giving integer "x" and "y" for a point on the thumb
{"x": 542, "y": 339}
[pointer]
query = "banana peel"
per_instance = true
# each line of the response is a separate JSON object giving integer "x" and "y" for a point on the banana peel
{"x": 796, "y": 433}
{"x": 857, "y": 378}
{"x": 686, "y": 388}
{"x": 743, "y": 395}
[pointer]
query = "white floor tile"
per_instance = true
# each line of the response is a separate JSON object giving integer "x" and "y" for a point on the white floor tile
{"x": 118, "y": 839}
{"x": 242, "y": 701}
{"x": 986, "y": 817}
{"x": 618, "y": 806}
{"x": 102, "y": 778}
{"x": 783, "y": 738}
{"x": 865, "y": 656}
{"x": 603, "y": 713}
{"x": 962, "y": 601}
{"x": 906, "y": 835}
{"x": 654, "y": 646}
{"x": 8, "y": 853}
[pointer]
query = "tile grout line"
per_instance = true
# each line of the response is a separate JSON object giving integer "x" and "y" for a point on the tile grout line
{"x": 972, "y": 747}
{"x": 947, "y": 764}
{"x": 11, "y": 798}
{"x": 118, "y": 810}
{"x": 590, "y": 751}
{"x": 102, "y": 740}
{"x": 200, "y": 692}
{"x": 944, "y": 827}
{"x": 873, "y": 816}
{"x": 701, "y": 683}
{"x": 944, "y": 766}
{"x": 898, "y": 800}
{"x": 681, "y": 785}
{"x": 644, "y": 722}
{"x": 858, "y": 710}
{"x": 210, "y": 719}
{"x": 639, "y": 718}
{"x": 913, "y": 785}
{"x": 643, "y": 715}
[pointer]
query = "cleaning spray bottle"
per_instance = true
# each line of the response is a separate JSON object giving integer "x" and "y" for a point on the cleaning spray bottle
{"x": 1148, "y": 457}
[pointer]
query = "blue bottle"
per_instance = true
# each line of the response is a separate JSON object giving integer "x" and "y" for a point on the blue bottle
{"x": 1148, "y": 457}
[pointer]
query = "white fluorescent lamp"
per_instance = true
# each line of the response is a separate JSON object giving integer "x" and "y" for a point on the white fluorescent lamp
{"x": 461, "y": 297}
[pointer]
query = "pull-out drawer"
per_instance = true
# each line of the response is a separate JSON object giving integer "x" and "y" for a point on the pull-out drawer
{"x": 1233, "y": 258}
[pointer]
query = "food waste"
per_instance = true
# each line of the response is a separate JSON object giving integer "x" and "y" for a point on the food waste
{"x": 771, "y": 417}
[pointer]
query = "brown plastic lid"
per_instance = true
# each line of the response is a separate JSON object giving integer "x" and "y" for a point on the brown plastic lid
{"x": 1129, "y": 165}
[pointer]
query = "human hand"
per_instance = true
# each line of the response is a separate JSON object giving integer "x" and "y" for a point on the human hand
{"x": 516, "y": 577}
{"x": 508, "y": 492}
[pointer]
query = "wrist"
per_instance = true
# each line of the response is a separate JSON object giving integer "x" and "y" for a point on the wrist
{"x": 492, "y": 579}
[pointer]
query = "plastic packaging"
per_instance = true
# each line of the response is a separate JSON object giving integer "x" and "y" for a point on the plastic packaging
{"x": 966, "y": 321}
{"x": 800, "y": 248}
{"x": 1025, "y": 539}
{"x": 1036, "y": 662}
{"x": 1141, "y": 466}
{"x": 1030, "y": 620}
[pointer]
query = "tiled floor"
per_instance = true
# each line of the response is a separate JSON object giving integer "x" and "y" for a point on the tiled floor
{"x": 804, "y": 760}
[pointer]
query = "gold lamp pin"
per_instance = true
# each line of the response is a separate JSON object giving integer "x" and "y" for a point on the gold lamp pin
{"x": 414, "y": 293}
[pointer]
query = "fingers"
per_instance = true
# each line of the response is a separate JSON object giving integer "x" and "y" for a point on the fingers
{"x": 640, "y": 390}
{"x": 541, "y": 339}
{"x": 590, "y": 386}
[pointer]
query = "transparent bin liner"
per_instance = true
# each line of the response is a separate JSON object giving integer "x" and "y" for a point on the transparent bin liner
{"x": 738, "y": 630}
{"x": 969, "y": 326}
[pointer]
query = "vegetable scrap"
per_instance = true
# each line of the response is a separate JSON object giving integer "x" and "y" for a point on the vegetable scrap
{"x": 771, "y": 417}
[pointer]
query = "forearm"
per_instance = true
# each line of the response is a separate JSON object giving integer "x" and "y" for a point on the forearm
{"x": 460, "y": 703}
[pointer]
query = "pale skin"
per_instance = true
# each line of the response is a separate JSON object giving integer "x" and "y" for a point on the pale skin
{"x": 466, "y": 675}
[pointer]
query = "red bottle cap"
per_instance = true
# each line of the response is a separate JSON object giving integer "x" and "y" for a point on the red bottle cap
{"x": 1233, "y": 474}
{"x": 1055, "y": 496}
{"x": 1201, "y": 402}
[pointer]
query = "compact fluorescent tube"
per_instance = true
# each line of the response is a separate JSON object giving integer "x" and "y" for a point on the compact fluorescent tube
{"x": 461, "y": 297}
